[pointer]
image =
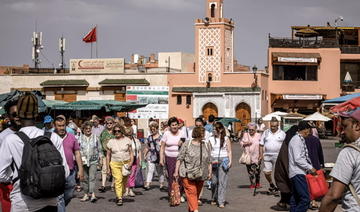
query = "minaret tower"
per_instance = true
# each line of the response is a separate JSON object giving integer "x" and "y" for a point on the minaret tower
{"x": 214, "y": 52}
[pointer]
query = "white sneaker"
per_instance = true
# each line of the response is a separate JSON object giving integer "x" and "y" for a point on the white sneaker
{"x": 182, "y": 199}
{"x": 126, "y": 193}
{"x": 131, "y": 193}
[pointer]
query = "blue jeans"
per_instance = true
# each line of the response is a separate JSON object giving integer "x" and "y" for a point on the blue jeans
{"x": 64, "y": 199}
{"x": 300, "y": 199}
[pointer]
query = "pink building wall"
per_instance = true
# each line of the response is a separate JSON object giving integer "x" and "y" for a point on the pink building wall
{"x": 191, "y": 80}
{"x": 328, "y": 82}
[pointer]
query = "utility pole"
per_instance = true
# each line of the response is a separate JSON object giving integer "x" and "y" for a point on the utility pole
{"x": 62, "y": 51}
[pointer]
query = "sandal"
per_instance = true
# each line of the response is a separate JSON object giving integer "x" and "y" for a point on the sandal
{"x": 85, "y": 198}
{"x": 213, "y": 203}
{"x": 119, "y": 202}
{"x": 222, "y": 206}
{"x": 102, "y": 189}
{"x": 200, "y": 203}
{"x": 78, "y": 188}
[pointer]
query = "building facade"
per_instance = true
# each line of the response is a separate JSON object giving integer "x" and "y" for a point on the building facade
{"x": 311, "y": 67}
{"x": 213, "y": 86}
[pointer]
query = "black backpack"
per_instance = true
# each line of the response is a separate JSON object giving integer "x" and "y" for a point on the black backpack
{"x": 41, "y": 174}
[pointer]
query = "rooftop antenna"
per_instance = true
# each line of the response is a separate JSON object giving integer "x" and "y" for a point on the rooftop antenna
{"x": 37, "y": 46}
{"x": 62, "y": 51}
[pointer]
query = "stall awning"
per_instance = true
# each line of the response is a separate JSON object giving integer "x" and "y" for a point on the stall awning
{"x": 213, "y": 89}
{"x": 124, "y": 82}
{"x": 64, "y": 83}
{"x": 107, "y": 105}
{"x": 342, "y": 98}
{"x": 295, "y": 58}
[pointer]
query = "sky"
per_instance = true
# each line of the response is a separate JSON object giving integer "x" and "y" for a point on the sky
{"x": 128, "y": 27}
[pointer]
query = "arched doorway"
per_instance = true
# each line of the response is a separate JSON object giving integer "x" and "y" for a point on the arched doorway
{"x": 209, "y": 109}
{"x": 243, "y": 113}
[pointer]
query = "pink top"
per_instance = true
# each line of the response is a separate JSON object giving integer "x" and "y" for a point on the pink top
{"x": 251, "y": 145}
{"x": 171, "y": 143}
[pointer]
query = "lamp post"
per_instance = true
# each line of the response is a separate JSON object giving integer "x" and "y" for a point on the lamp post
{"x": 254, "y": 70}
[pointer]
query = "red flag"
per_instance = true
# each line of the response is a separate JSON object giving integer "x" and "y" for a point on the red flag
{"x": 90, "y": 37}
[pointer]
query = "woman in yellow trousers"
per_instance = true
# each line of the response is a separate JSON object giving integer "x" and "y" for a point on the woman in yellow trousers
{"x": 120, "y": 154}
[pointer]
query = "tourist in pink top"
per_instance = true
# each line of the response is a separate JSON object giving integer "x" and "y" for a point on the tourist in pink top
{"x": 250, "y": 142}
{"x": 169, "y": 150}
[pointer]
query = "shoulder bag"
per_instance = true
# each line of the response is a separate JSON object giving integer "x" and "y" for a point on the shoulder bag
{"x": 245, "y": 156}
{"x": 195, "y": 172}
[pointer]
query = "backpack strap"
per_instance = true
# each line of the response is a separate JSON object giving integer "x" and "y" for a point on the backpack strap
{"x": 24, "y": 138}
{"x": 351, "y": 187}
{"x": 48, "y": 135}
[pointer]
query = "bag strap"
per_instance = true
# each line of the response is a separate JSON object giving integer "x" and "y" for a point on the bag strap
{"x": 351, "y": 187}
{"x": 24, "y": 138}
{"x": 133, "y": 139}
{"x": 47, "y": 134}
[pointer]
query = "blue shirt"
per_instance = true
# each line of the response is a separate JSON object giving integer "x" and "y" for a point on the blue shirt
{"x": 68, "y": 130}
{"x": 209, "y": 127}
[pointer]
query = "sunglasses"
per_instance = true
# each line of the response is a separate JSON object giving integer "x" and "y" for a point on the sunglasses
{"x": 14, "y": 114}
{"x": 117, "y": 131}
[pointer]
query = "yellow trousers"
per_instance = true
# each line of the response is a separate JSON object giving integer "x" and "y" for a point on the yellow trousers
{"x": 120, "y": 180}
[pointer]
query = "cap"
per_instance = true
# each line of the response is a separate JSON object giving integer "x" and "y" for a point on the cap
{"x": 28, "y": 106}
{"x": 48, "y": 119}
{"x": 181, "y": 121}
{"x": 355, "y": 114}
{"x": 61, "y": 117}
{"x": 303, "y": 125}
{"x": 109, "y": 118}
{"x": 95, "y": 117}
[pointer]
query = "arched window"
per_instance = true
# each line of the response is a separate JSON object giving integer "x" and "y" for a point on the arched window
{"x": 213, "y": 10}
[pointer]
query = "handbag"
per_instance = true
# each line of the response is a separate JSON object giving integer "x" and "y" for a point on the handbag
{"x": 317, "y": 185}
{"x": 195, "y": 172}
{"x": 139, "y": 178}
{"x": 245, "y": 156}
{"x": 125, "y": 171}
{"x": 154, "y": 155}
{"x": 175, "y": 194}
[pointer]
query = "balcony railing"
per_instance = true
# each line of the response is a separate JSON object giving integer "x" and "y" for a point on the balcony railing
{"x": 350, "y": 49}
{"x": 303, "y": 43}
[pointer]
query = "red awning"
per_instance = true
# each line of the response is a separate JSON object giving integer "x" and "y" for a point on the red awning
{"x": 346, "y": 106}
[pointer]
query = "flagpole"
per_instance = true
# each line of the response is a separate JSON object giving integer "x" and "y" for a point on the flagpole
{"x": 91, "y": 50}
{"x": 96, "y": 41}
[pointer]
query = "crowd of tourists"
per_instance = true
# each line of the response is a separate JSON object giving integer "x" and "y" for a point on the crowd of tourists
{"x": 40, "y": 169}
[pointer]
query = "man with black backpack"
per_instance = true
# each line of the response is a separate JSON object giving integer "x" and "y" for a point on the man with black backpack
{"x": 37, "y": 160}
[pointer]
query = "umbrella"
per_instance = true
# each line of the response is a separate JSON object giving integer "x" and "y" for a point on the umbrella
{"x": 316, "y": 117}
{"x": 307, "y": 32}
{"x": 227, "y": 121}
{"x": 346, "y": 106}
{"x": 276, "y": 114}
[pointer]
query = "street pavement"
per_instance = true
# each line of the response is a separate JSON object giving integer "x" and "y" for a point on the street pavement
{"x": 239, "y": 196}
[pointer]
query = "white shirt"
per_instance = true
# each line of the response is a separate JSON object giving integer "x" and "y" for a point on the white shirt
{"x": 272, "y": 141}
{"x": 5, "y": 133}
{"x": 299, "y": 161}
{"x": 215, "y": 148}
{"x": 11, "y": 150}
